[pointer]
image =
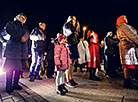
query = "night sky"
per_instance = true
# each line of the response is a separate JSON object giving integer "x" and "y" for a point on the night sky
{"x": 98, "y": 15}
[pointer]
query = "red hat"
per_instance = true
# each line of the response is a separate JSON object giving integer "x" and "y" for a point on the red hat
{"x": 61, "y": 37}
{"x": 121, "y": 20}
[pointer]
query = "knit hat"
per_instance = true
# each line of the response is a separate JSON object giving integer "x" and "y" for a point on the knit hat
{"x": 61, "y": 37}
{"x": 121, "y": 20}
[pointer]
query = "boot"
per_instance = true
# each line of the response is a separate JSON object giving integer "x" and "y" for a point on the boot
{"x": 38, "y": 78}
{"x": 92, "y": 75}
{"x": 16, "y": 86}
{"x": 136, "y": 75}
{"x": 73, "y": 83}
{"x": 9, "y": 87}
{"x": 60, "y": 90}
{"x": 31, "y": 79}
{"x": 129, "y": 85}
{"x": 64, "y": 88}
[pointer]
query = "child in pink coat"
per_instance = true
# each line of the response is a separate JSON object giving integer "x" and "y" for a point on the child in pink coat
{"x": 62, "y": 62}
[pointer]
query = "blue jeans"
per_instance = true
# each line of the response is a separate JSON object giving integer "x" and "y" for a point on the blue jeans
{"x": 105, "y": 62}
{"x": 36, "y": 63}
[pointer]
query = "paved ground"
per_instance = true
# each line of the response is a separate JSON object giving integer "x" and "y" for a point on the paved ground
{"x": 108, "y": 90}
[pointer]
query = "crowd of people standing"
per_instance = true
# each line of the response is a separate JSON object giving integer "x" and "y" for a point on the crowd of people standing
{"x": 68, "y": 48}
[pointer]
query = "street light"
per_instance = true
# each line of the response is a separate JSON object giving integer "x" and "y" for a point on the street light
{"x": 84, "y": 28}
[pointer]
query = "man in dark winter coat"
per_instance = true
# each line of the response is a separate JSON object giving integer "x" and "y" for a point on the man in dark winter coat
{"x": 110, "y": 53}
{"x": 16, "y": 50}
{"x": 50, "y": 59}
{"x": 38, "y": 37}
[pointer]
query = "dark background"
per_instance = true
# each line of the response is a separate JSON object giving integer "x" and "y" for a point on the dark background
{"x": 98, "y": 15}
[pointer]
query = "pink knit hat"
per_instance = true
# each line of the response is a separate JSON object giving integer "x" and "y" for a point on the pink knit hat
{"x": 61, "y": 37}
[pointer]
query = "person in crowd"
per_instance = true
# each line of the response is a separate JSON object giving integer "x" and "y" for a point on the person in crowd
{"x": 16, "y": 51}
{"x": 110, "y": 54}
{"x": 94, "y": 54}
{"x": 62, "y": 63}
{"x": 101, "y": 50}
{"x": 117, "y": 56}
{"x": 71, "y": 29}
{"x": 83, "y": 49}
{"x": 128, "y": 38}
{"x": 50, "y": 59}
{"x": 38, "y": 48}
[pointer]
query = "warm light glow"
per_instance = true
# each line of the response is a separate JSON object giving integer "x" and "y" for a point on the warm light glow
{"x": 84, "y": 28}
{"x": 102, "y": 42}
{"x": 1, "y": 71}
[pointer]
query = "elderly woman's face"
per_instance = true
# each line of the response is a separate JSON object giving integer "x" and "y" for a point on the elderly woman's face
{"x": 23, "y": 19}
{"x": 42, "y": 26}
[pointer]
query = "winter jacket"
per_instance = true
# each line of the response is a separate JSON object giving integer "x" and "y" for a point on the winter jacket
{"x": 109, "y": 43}
{"x": 38, "y": 42}
{"x": 50, "y": 52}
{"x": 15, "y": 49}
{"x": 83, "y": 49}
{"x": 61, "y": 57}
{"x": 127, "y": 36}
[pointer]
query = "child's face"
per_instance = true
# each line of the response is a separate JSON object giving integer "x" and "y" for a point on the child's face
{"x": 63, "y": 41}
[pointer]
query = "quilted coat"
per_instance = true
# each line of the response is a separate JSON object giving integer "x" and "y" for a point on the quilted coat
{"x": 61, "y": 57}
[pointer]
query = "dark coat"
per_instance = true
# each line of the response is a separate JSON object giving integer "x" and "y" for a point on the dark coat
{"x": 15, "y": 49}
{"x": 110, "y": 43}
{"x": 50, "y": 52}
{"x": 127, "y": 36}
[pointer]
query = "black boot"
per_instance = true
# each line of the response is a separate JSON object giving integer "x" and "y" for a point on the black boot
{"x": 73, "y": 83}
{"x": 9, "y": 87}
{"x": 64, "y": 88}
{"x": 94, "y": 76}
{"x": 16, "y": 86}
{"x": 129, "y": 85}
{"x": 60, "y": 90}
{"x": 31, "y": 79}
{"x": 37, "y": 77}
{"x": 136, "y": 75}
